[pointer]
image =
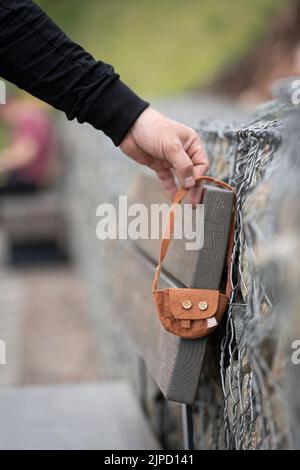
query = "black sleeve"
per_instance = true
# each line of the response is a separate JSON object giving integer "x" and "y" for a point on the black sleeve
{"x": 37, "y": 56}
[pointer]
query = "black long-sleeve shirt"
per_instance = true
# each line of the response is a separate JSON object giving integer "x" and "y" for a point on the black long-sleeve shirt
{"x": 38, "y": 57}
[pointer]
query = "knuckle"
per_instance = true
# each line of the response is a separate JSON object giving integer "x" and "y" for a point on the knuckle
{"x": 197, "y": 149}
{"x": 197, "y": 144}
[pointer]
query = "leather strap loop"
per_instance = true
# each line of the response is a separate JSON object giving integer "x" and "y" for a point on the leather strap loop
{"x": 170, "y": 229}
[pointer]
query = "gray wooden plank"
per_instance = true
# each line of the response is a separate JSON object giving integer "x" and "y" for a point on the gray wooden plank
{"x": 175, "y": 363}
{"x": 201, "y": 268}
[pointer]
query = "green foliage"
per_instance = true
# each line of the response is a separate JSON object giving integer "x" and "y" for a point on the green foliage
{"x": 164, "y": 46}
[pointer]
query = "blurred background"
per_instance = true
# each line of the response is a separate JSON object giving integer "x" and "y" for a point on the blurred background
{"x": 193, "y": 59}
{"x": 168, "y": 47}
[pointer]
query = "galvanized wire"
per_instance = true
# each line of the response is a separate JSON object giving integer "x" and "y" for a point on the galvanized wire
{"x": 242, "y": 154}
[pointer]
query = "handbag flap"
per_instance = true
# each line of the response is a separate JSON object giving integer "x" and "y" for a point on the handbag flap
{"x": 193, "y": 304}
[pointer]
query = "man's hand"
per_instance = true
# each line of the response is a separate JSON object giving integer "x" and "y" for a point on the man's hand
{"x": 165, "y": 145}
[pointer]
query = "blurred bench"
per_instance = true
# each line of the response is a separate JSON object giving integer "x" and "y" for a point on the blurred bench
{"x": 174, "y": 363}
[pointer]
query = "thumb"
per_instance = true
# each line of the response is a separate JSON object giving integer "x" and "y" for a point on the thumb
{"x": 181, "y": 162}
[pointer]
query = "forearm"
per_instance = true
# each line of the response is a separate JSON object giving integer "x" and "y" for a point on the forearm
{"x": 38, "y": 57}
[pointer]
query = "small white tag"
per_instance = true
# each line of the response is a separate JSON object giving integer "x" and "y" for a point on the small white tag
{"x": 211, "y": 322}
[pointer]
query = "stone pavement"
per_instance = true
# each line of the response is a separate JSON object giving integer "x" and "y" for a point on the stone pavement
{"x": 44, "y": 323}
{"x": 12, "y": 296}
{"x": 51, "y": 349}
{"x": 73, "y": 417}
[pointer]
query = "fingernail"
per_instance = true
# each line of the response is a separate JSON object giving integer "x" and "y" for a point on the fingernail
{"x": 189, "y": 182}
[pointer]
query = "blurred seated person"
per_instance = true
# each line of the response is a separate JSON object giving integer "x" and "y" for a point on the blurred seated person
{"x": 27, "y": 163}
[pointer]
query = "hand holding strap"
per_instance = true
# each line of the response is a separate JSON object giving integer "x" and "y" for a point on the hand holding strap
{"x": 170, "y": 229}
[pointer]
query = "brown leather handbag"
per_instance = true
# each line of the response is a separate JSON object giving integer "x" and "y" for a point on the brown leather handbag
{"x": 191, "y": 313}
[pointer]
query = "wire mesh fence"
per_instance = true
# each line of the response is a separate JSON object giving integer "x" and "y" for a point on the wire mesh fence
{"x": 243, "y": 395}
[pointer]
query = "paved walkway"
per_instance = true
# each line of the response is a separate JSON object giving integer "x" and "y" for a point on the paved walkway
{"x": 73, "y": 417}
{"x": 12, "y": 298}
{"x": 44, "y": 323}
{"x": 51, "y": 349}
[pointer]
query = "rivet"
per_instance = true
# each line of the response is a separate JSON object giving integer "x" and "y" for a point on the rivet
{"x": 203, "y": 305}
{"x": 187, "y": 304}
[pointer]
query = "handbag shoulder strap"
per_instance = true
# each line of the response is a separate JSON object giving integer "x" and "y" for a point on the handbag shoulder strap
{"x": 170, "y": 229}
